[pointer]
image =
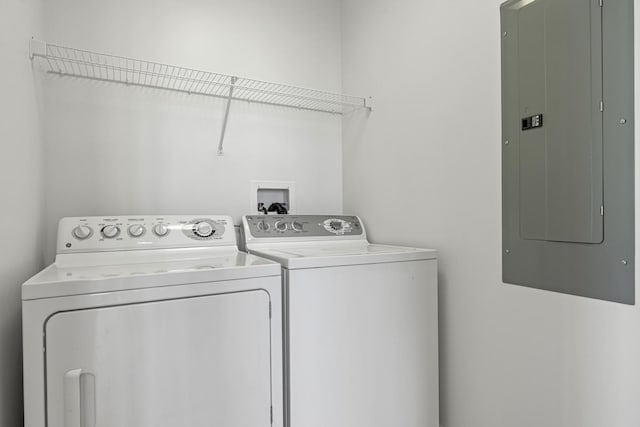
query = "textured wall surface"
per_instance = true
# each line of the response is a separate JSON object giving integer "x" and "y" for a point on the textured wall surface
{"x": 21, "y": 190}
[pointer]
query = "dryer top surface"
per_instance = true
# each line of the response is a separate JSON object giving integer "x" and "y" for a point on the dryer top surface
{"x": 143, "y": 270}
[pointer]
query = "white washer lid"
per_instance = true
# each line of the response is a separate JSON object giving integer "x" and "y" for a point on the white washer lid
{"x": 55, "y": 281}
{"x": 330, "y": 254}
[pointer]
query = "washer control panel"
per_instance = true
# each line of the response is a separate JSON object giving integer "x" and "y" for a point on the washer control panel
{"x": 98, "y": 233}
{"x": 270, "y": 226}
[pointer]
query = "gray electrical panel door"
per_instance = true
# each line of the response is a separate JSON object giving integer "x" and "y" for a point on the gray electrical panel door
{"x": 567, "y": 113}
{"x": 560, "y": 85}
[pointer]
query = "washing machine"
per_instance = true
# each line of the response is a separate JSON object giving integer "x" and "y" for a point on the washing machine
{"x": 152, "y": 321}
{"x": 360, "y": 323}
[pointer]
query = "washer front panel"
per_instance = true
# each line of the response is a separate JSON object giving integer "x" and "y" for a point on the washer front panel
{"x": 363, "y": 341}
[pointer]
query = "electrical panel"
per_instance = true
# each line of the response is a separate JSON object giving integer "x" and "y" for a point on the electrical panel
{"x": 567, "y": 159}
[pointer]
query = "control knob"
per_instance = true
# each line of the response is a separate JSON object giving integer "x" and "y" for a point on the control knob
{"x": 136, "y": 230}
{"x": 281, "y": 226}
{"x": 296, "y": 226}
{"x": 263, "y": 225}
{"x": 336, "y": 225}
{"x": 160, "y": 230}
{"x": 110, "y": 231}
{"x": 82, "y": 232}
{"x": 204, "y": 229}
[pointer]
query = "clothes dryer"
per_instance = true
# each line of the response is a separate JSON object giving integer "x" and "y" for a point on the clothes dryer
{"x": 361, "y": 323}
{"x": 152, "y": 321}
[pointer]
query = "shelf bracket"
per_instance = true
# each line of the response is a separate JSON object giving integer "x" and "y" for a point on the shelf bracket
{"x": 37, "y": 48}
{"x": 226, "y": 116}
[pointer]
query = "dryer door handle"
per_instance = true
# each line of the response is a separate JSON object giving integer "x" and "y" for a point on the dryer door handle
{"x": 79, "y": 398}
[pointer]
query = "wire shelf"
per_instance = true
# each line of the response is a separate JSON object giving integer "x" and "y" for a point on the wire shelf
{"x": 69, "y": 61}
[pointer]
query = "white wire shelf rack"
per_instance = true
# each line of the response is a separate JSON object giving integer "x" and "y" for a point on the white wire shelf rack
{"x": 67, "y": 61}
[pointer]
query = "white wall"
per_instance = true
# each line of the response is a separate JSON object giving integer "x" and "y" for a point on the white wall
{"x": 21, "y": 191}
{"x": 114, "y": 149}
{"x": 430, "y": 151}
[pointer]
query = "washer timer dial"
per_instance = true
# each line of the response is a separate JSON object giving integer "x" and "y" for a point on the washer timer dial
{"x": 336, "y": 226}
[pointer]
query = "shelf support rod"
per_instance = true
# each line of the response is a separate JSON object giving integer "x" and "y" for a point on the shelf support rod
{"x": 226, "y": 115}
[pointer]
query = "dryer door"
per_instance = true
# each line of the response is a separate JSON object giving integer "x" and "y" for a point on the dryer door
{"x": 202, "y": 361}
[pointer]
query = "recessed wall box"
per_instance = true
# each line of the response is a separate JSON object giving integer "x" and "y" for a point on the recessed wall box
{"x": 264, "y": 194}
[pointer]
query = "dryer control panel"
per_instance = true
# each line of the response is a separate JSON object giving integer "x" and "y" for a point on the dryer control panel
{"x": 114, "y": 233}
{"x": 302, "y": 226}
